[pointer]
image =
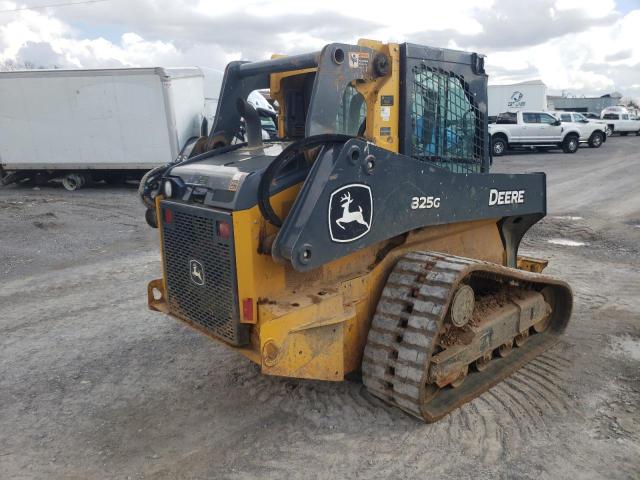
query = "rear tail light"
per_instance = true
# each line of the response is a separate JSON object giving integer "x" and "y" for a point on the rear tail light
{"x": 223, "y": 229}
{"x": 168, "y": 216}
{"x": 247, "y": 309}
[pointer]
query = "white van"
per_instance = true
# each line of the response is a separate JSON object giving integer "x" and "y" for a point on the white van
{"x": 620, "y": 120}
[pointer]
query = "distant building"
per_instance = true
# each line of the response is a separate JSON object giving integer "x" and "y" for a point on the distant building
{"x": 583, "y": 104}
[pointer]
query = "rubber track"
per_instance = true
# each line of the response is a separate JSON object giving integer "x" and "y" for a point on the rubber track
{"x": 411, "y": 313}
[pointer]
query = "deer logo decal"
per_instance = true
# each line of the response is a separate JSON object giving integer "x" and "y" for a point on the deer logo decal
{"x": 196, "y": 272}
{"x": 350, "y": 212}
{"x": 347, "y": 216}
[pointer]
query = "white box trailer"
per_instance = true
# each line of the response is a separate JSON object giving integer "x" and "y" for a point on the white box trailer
{"x": 530, "y": 95}
{"x": 212, "y": 87}
{"x": 99, "y": 123}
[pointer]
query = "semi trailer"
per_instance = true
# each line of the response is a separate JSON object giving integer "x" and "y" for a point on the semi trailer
{"x": 91, "y": 125}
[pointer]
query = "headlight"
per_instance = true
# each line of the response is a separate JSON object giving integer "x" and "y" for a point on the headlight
{"x": 168, "y": 189}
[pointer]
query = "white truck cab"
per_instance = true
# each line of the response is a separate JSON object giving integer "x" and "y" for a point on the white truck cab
{"x": 620, "y": 120}
{"x": 592, "y": 133}
{"x": 527, "y": 129}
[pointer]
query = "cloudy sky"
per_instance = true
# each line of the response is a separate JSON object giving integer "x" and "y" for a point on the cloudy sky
{"x": 580, "y": 46}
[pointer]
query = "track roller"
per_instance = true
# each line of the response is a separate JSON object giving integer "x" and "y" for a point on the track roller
{"x": 521, "y": 338}
{"x": 483, "y": 362}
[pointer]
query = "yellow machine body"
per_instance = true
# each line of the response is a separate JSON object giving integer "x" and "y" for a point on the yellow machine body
{"x": 314, "y": 325}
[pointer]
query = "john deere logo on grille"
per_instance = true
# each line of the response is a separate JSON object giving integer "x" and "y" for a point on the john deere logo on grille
{"x": 350, "y": 212}
{"x": 196, "y": 271}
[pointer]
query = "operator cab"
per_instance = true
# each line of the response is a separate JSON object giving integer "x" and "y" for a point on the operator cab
{"x": 347, "y": 90}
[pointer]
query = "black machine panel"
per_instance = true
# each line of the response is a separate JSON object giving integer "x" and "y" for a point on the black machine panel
{"x": 358, "y": 194}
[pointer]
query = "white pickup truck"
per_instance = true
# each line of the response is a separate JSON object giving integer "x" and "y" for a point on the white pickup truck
{"x": 592, "y": 132}
{"x": 532, "y": 129}
{"x": 620, "y": 120}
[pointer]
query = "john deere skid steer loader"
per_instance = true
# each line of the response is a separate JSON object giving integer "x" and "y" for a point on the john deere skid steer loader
{"x": 369, "y": 236}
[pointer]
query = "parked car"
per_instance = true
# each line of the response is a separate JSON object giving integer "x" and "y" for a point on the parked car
{"x": 595, "y": 118}
{"x": 620, "y": 120}
{"x": 532, "y": 129}
{"x": 592, "y": 133}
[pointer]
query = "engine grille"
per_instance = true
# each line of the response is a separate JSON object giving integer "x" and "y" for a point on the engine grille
{"x": 200, "y": 270}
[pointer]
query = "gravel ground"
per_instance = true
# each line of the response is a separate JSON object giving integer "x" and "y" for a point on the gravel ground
{"x": 92, "y": 385}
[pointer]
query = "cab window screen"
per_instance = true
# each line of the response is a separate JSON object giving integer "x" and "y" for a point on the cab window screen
{"x": 447, "y": 125}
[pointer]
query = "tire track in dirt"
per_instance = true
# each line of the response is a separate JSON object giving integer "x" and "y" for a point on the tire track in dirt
{"x": 554, "y": 398}
{"x": 482, "y": 426}
{"x": 526, "y": 420}
{"x": 315, "y": 401}
{"x": 524, "y": 390}
{"x": 492, "y": 428}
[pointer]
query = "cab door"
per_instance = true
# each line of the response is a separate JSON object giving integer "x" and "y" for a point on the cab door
{"x": 581, "y": 122}
{"x": 549, "y": 128}
{"x": 527, "y": 130}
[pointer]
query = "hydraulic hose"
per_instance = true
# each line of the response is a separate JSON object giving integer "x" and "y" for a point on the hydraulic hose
{"x": 291, "y": 151}
{"x": 145, "y": 187}
{"x": 152, "y": 180}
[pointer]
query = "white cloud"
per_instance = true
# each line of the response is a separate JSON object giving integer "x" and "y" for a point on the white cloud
{"x": 593, "y": 8}
{"x": 583, "y": 46}
{"x": 595, "y": 61}
{"x": 28, "y": 32}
